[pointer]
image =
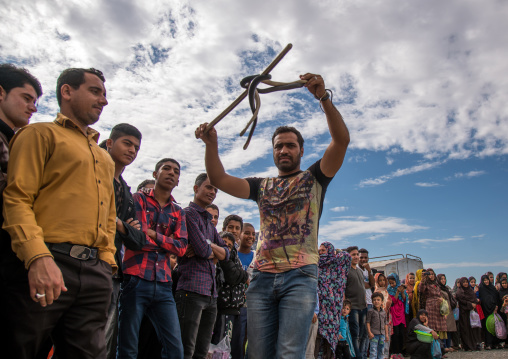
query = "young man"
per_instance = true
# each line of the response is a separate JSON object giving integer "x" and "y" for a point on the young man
{"x": 246, "y": 255}
{"x": 146, "y": 185}
{"x": 214, "y": 211}
{"x": 19, "y": 91}
{"x": 233, "y": 224}
{"x": 377, "y": 326}
{"x": 370, "y": 285}
{"x": 123, "y": 146}
{"x": 61, "y": 219}
{"x": 355, "y": 292}
{"x": 147, "y": 285}
{"x": 196, "y": 293}
{"x": 282, "y": 295}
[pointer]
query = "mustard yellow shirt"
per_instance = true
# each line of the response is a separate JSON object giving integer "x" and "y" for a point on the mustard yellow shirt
{"x": 59, "y": 189}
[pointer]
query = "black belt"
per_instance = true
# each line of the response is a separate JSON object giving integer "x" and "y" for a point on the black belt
{"x": 74, "y": 250}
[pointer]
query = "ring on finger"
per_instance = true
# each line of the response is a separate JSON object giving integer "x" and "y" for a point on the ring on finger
{"x": 39, "y": 296}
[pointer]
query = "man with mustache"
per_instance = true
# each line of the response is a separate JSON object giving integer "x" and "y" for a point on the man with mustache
{"x": 59, "y": 210}
{"x": 282, "y": 294}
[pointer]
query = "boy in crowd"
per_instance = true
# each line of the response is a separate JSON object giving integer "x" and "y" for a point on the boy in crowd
{"x": 123, "y": 146}
{"x": 146, "y": 185}
{"x": 234, "y": 225}
{"x": 231, "y": 297}
{"x": 344, "y": 347}
{"x": 377, "y": 326}
{"x": 246, "y": 256}
{"x": 196, "y": 293}
{"x": 214, "y": 211}
{"x": 147, "y": 283}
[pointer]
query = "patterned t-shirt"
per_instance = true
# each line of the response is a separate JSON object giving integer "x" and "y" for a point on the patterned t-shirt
{"x": 289, "y": 209}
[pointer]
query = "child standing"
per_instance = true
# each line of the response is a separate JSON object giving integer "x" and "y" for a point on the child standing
{"x": 345, "y": 346}
{"x": 377, "y": 326}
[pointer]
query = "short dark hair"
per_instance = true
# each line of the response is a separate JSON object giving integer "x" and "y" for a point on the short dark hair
{"x": 124, "y": 129}
{"x": 378, "y": 294}
{"x": 74, "y": 77}
{"x": 144, "y": 183}
{"x": 230, "y": 236}
{"x": 363, "y": 250}
{"x": 200, "y": 179}
{"x": 232, "y": 217}
{"x": 247, "y": 225}
{"x": 103, "y": 145}
{"x": 346, "y": 302}
{"x": 285, "y": 129}
{"x": 352, "y": 248}
{"x": 164, "y": 160}
{"x": 213, "y": 206}
{"x": 12, "y": 77}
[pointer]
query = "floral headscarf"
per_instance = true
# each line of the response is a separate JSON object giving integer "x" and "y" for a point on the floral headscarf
{"x": 387, "y": 301}
{"x": 332, "y": 278}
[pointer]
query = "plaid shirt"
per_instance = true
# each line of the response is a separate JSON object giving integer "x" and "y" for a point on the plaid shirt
{"x": 152, "y": 262}
{"x": 197, "y": 273}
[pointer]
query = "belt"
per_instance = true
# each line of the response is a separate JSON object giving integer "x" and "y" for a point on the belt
{"x": 74, "y": 250}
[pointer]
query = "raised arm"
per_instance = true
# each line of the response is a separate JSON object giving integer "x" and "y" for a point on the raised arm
{"x": 336, "y": 150}
{"x": 234, "y": 186}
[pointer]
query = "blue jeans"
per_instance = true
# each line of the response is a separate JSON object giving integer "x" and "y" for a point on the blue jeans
{"x": 376, "y": 347}
{"x": 358, "y": 330}
{"x": 239, "y": 326}
{"x": 280, "y": 307}
{"x": 366, "y": 341}
{"x": 139, "y": 296}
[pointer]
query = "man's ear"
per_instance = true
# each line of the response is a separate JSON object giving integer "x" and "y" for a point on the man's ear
{"x": 154, "y": 174}
{"x": 109, "y": 143}
{"x": 65, "y": 91}
{"x": 195, "y": 188}
{"x": 3, "y": 94}
{"x": 301, "y": 152}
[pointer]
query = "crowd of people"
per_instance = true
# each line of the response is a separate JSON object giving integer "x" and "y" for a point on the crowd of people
{"x": 90, "y": 270}
{"x": 364, "y": 313}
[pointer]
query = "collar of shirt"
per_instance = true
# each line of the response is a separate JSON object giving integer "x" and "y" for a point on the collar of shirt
{"x": 202, "y": 211}
{"x": 151, "y": 194}
{"x": 6, "y": 130}
{"x": 66, "y": 122}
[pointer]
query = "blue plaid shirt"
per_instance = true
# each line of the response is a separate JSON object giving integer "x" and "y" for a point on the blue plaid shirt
{"x": 197, "y": 273}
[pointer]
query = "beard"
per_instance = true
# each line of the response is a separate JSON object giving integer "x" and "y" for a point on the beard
{"x": 290, "y": 166}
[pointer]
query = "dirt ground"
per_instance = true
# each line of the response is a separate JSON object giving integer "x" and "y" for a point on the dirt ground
{"x": 485, "y": 354}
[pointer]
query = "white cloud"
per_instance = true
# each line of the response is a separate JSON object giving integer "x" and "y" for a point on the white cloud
{"x": 339, "y": 209}
{"x": 348, "y": 227}
{"x": 469, "y": 174}
{"x": 427, "y": 184}
{"x": 399, "y": 173}
{"x": 467, "y": 264}
{"x": 416, "y": 81}
{"x": 431, "y": 240}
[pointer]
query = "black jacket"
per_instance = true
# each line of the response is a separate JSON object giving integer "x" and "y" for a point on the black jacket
{"x": 134, "y": 239}
{"x": 231, "y": 279}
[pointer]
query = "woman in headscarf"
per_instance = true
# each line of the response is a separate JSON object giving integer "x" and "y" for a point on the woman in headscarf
{"x": 467, "y": 302}
{"x": 382, "y": 287}
{"x": 446, "y": 293}
{"x": 456, "y": 335}
{"x": 397, "y": 313}
{"x": 500, "y": 276}
{"x": 416, "y": 294}
{"x": 432, "y": 294}
{"x": 503, "y": 292}
{"x": 333, "y": 272}
{"x": 490, "y": 304}
{"x": 416, "y": 348}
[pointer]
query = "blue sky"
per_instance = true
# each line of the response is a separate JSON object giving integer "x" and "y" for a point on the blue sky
{"x": 421, "y": 87}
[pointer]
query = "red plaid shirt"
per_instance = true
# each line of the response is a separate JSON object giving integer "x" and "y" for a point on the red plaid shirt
{"x": 152, "y": 262}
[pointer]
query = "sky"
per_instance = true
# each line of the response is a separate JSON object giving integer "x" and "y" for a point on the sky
{"x": 419, "y": 84}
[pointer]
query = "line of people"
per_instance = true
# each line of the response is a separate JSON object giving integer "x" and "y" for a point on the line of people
{"x": 364, "y": 314}
{"x": 95, "y": 272}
